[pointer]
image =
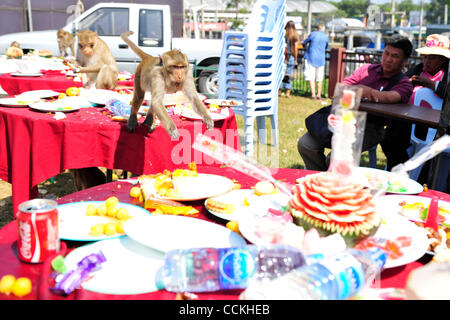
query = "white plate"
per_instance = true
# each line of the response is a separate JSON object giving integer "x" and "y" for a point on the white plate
{"x": 168, "y": 232}
{"x": 258, "y": 205}
{"x": 102, "y": 96}
{"x": 171, "y": 99}
{"x": 224, "y": 102}
{"x": 395, "y": 226}
{"x": 14, "y": 102}
{"x": 235, "y": 197}
{"x": 192, "y": 115}
{"x": 75, "y": 225}
{"x": 55, "y": 106}
{"x": 130, "y": 267}
{"x": 18, "y": 74}
{"x": 396, "y": 184}
{"x": 37, "y": 94}
{"x": 391, "y": 204}
{"x": 195, "y": 188}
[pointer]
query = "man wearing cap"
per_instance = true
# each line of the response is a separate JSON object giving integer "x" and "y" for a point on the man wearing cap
{"x": 429, "y": 75}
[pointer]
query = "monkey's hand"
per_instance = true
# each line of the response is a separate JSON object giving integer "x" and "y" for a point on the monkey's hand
{"x": 132, "y": 122}
{"x": 174, "y": 134}
{"x": 208, "y": 121}
{"x": 172, "y": 130}
{"x": 149, "y": 123}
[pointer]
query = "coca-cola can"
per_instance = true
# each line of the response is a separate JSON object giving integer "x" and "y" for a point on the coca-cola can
{"x": 37, "y": 223}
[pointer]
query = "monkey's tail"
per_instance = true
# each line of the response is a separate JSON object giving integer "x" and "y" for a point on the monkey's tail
{"x": 133, "y": 47}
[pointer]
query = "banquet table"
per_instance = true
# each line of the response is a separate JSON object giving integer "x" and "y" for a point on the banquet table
{"x": 34, "y": 146}
{"x": 406, "y": 112}
{"x": 38, "y": 273}
{"x": 50, "y": 80}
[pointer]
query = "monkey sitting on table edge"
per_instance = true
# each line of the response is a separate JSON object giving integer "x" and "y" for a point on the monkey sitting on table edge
{"x": 174, "y": 75}
{"x": 65, "y": 40}
{"x": 95, "y": 59}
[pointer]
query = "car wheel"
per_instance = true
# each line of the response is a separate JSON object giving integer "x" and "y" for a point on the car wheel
{"x": 208, "y": 81}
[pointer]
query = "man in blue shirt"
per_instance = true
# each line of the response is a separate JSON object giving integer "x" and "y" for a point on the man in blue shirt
{"x": 315, "y": 60}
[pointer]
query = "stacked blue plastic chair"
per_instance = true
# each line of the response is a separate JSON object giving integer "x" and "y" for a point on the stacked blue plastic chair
{"x": 251, "y": 68}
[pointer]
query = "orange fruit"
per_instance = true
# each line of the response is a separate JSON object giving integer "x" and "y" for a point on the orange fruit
{"x": 73, "y": 91}
{"x": 111, "y": 211}
{"x": 7, "y": 283}
{"x": 233, "y": 226}
{"x": 101, "y": 210}
{"x": 91, "y": 210}
{"x": 111, "y": 201}
{"x": 135, "y": 192}
{"x": 97, "y": 230}
{"x": 110, "y": 229}
{"x": 119, "y": 227}
{"x": 22, "y": 287}
{"x": 122, "y": 213}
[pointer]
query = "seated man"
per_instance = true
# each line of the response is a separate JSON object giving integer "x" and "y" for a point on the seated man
{"x": 372, "y": 78}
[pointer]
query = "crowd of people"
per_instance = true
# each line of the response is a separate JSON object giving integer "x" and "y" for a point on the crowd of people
{"x": 384, "y": 82}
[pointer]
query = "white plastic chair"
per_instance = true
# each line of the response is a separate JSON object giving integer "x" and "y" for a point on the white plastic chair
{"x": 423, "y": 94}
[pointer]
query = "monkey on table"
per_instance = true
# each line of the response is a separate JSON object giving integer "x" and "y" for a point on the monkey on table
{"x": 65, "y": 40}
{"x": 170, "y": 77}
{"x": 96, "y": 60}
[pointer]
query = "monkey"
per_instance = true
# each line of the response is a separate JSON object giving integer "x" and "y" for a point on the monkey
{"x": 65, "y": 40}
{"x": 168, "y": 73}
{"x": 96, "y": 60}
{"x": 15, "y": 44}
{"x": 98, "y": 63}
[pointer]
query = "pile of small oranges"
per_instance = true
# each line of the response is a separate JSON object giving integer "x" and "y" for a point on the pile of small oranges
{"x": 108, "y": 209}
{"x": 19, "y": 287}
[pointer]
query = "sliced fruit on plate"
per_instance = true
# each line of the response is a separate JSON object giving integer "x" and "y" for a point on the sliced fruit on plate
{"x": 323, "y": 202}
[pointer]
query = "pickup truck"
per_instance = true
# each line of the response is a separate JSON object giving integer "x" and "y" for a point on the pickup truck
{"x": 152, "y": 29}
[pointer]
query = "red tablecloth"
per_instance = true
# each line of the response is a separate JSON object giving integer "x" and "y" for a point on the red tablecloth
{"x": 50, "y": 80}
{"x": 9, "y": 263}
{"x": 35, "y": 147}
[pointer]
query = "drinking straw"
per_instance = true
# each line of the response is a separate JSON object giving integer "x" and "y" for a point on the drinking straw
{"x": 237, "y": 160}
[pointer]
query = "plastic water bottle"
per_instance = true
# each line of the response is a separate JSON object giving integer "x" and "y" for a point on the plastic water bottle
{"x": 337, "y": 277}
{"x": 212, "y": 269}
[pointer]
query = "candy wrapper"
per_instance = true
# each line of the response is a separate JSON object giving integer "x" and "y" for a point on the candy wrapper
{"x": 347, "y": 125}
{"x": 346, "y": 98}
{"x": 347, "y": 142}
{"x": 118, "y": 108}
{"x": 73, "y": 278}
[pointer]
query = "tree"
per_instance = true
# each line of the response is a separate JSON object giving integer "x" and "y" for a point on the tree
{"x": 352, "y": 8}
{"x": 435, "y": 11}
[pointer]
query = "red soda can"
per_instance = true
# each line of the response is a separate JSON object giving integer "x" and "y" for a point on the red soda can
{"x": 37, "y": 222}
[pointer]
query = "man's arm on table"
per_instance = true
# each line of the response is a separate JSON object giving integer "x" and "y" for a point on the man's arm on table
{"x": 373, "y": 95}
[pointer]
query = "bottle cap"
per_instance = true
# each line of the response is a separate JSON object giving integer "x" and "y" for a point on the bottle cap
{"x": 159, "y": 279}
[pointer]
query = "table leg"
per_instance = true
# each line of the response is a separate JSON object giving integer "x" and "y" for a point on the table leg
{"x": 109, "y": 175}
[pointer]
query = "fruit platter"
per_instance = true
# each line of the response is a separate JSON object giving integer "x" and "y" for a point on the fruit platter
{"x": 184, "y": 185}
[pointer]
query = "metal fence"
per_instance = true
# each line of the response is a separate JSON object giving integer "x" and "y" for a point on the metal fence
{"x": 352, "y": 60}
